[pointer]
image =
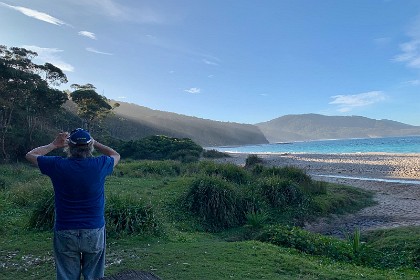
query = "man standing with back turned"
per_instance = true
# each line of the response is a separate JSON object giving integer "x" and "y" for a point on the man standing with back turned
{"x": 78, "y": 181}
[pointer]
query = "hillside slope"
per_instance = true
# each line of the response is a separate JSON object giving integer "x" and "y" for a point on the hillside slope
{"x": 132, "y": 121}
{"x": 314, "y": 126}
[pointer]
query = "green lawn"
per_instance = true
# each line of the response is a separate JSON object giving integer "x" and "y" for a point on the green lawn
{"x": 182, "y": 249}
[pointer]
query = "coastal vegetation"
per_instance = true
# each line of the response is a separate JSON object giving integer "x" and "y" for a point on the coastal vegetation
{"x": 169, "y": 210}
{"x": 203, "y": 220}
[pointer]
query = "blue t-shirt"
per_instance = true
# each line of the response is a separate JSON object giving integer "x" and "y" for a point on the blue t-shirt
{"x": 79, "y": 189}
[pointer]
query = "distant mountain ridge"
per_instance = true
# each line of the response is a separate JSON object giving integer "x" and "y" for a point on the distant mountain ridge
{"x": 133, "y": 121}
{"x": 315, "y": 127}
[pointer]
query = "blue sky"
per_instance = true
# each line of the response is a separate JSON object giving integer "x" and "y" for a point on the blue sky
{"x": 245, "y": 61}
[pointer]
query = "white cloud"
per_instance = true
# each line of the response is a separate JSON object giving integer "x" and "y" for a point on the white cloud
{"x": 50, "y": 55}
{"x": 206, "y": 61}
{"x": 193, "y": 90}
{"x": 410, "y": 54}
{"x": 410, "y": 50}
{"x": 35, "y": 14}
{"x": 118, "y": 11}
{"x": 414, "y": 82}
{"x": 88, "y": 34}
{"x": 98, "y": 52}
{"x": 346, "y": 103}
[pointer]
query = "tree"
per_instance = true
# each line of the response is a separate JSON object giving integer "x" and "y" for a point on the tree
{"x": 25, "y": 93}
{"x": 92, "y": 107}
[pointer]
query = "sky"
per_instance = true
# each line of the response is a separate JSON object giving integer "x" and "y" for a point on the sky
{"x": 245, "y": 61}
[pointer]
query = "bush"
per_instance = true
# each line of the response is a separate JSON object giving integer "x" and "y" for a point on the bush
{"x": 294, "y": 174}
{"x": 148, "y": 168}
{"x": 161, "y": 147}
{"x": 214, "y": 154}
{"x": 305, "y": 241}
{"x": 215, "y": 202}
{"x": 256, "y": 219}
{"x": 125, "y": 216}
{"x": 252, "y": 160}
{"x": 227, "y": 171}
{"x": 281, "y": 193}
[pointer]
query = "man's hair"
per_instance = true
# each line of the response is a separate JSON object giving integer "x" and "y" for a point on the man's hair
{"x": 79, "y": 151}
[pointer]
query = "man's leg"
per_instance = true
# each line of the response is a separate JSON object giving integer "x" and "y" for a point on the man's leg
{"x": 67, "y": 254}
{"x": 93, "y": 253}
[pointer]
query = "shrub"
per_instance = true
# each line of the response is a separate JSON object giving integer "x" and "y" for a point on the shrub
{"x": 148, "y": 168}
{"x": 227, "y": 171}
{"x": 214, "y": 154}
{"x": 125, "y": 216}
{"x": 281, "y": 193}
{"x": 161, "y": 147}
{"x": 215, "y": 202}
{"x": 252, "y": 160}
{"x": 256, "y": 219}
{"x": 305, "y": 241}
{"x": 294, "y": 174}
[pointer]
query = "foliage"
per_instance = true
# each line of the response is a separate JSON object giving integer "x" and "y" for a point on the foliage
{"x": 252, "y": 160}
{"x": 256, "y": 219}
{"x": 214, "y": 154}
{"x": 176, "y": 247}
{"x": 125, "y": 216}
{"x": 161, "y": 147}
{"x": 280, "y": 192}
{"x": 227, "y": 171}
{"x": 148, "y": 168}
{"x": 305, "y": 241}
{"x": 292, "y": 173}
{"x": 92, "y": 107}
{"x": 27, "y": 100}
{"x": 42, "y": 216}
{"x": 216, "y": 202}
{"x": 393, "y": 248}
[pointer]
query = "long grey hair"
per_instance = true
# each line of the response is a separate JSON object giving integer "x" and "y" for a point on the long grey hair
{"x": 79, "y": 151}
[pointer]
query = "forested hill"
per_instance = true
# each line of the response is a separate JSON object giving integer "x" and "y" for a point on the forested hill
{"x": 314, "y": 126}
{"x": 132, "y": 121}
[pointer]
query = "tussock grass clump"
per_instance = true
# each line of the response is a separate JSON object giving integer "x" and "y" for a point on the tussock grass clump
{"x": 227, "y": 171}
{"x": 292, "y": 173}
{"x": 256, "y": 219}
{"x": 145, "y": 168}
{"x": 215, "y": 202}
{"x": 42, "y": 216}
{"x": 125, "y": 216}
{"x": 280, "y": 192}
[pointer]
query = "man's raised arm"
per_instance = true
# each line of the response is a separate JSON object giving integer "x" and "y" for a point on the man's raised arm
{"x": 107, "y": 151}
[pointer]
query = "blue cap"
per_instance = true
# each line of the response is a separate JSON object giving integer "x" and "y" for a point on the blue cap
{"x": 80, "y": 136}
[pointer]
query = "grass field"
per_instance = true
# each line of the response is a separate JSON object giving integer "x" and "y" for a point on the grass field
{"x": 175, "y": 243}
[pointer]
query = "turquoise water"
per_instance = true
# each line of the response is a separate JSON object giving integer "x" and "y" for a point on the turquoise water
{"x": 403, "y": 145}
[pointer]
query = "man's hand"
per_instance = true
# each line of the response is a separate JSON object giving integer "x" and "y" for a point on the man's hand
{"x": 60, "y": 141}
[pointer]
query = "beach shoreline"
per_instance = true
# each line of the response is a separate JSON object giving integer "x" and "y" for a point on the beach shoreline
{"x": 393, "y": 178}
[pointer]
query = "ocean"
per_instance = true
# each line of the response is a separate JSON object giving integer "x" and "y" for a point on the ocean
{"x": 401, "y": 145}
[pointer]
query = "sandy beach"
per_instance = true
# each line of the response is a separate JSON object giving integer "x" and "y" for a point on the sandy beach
{"x": 394, "y": 179}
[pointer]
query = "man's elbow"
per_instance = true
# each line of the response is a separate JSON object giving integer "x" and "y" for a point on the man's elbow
{"x": 31, "y": 158}
{"x": 116, "y": 157}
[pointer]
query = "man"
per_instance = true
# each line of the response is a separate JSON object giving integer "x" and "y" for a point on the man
{"x": 78, "y": 181}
